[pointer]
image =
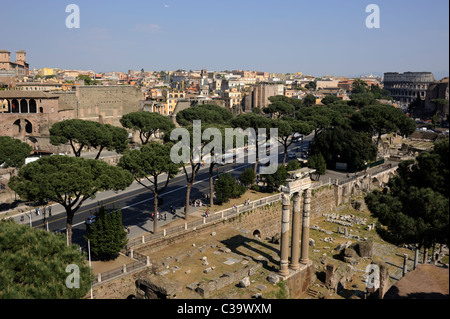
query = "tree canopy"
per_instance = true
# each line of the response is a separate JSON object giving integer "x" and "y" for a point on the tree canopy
{"x": 207, "y": 113}
{"x": 317, "y": 162}
{"x": 247, "y": 177}
{"x": 34, "y": 263}
{"x": 147, "y": 124}
{"x": 279, "y": 108}
{"x": 320, "y": 117}
{"x": 309, "y": 100}
{"x": 81, "y": 133}
{"x": 414, "y": 208}
{"x": 252, "y": 121}
{"x": 147, "y": 165}
{"x": 344, "y": 145}
{"x": 106, "y": 235}
{"x": 13, "y": 152}
{"x": 360, "y": 100}
{"x": 331, "y": 99}
{"x": 68, "y": 181}
{"x": 227, "y": 187}
{"x": 359, "y": 86}
{"x": 381, "y": 119}
{"x": 275, "y": 180}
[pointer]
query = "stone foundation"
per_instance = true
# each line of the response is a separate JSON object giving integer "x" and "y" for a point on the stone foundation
{"x": 299, "y": 281}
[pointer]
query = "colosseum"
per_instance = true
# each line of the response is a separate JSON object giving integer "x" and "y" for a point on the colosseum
{"x": 406, "y": 87}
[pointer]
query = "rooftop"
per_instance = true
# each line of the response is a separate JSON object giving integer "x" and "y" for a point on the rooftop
{"x": 14, "y": 94}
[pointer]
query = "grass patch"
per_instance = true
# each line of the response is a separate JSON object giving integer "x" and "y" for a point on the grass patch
{"x": 282, "y": 292}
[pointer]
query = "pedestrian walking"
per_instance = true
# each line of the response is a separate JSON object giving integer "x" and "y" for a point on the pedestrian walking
{"x": 128, "y": 230}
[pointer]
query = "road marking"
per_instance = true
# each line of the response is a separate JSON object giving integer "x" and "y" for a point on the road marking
{"x": 142, "y": 201}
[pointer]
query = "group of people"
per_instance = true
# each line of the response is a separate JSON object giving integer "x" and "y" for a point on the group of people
{"x": 247, "y": 201}
{"x": 159, "y": 216}
{"x": 196, "y": 203}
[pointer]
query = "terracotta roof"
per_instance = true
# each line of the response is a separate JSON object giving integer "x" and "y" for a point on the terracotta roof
{"x": 11, "y": 94}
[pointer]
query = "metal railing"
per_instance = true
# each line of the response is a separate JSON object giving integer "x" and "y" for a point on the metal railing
{"x": 371, "y": 173}
{"x": 212, "y": 217}
{"x": 141, "y": 260}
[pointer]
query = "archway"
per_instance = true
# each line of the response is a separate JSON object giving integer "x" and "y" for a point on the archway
{"x": 15, "y": 106}
{"x": 376, "y": 182}
{"x": 28, "y": 127}
{"x": 17, "y": 128}
{"x": 6, "y": 106}
{"x": 257, "y": 233}
{"x": 23, "y": 106}
{"x": 33, "y": 107}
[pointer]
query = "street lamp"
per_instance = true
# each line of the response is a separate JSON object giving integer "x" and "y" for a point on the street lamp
{"x": 90, "y": 265}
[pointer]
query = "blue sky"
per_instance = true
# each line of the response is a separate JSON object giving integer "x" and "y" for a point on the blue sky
{"x": 315, "y": 37}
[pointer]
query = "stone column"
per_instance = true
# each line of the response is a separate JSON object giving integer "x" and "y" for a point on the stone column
{"x": 305, "y": 227}
{"x": 405, "y": 267}
{"x": 425, "y": 256}
{"x": 295, "y": 247}
{"x": 284, "y": 240}
{"x": 416, "y": 257}
{"x": 384, "y": 280}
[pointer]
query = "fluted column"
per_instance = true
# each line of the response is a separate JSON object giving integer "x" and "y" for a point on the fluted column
{"x": 284, "y": 240}
{"x": 295, "y": 247}
{"x": 305, "y": 227}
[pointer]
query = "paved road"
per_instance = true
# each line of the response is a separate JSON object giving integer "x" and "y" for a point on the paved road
{"x": 136, "y": 202}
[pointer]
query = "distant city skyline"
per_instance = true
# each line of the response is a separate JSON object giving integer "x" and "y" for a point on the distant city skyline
{"x": 312, "y": 37}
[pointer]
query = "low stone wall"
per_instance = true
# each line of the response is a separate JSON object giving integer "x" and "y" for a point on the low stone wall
{"x": 264, "y": 222}
{"x": 121, "y": 288}
{"x": 323, "y": 200}
{"x": 205, "y": 289}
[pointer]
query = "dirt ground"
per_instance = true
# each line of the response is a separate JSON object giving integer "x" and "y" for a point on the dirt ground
{"x": 99, "y": 267}
{"x": 183, "y": 263}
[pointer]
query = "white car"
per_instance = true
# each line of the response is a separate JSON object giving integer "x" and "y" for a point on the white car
{"x": 292, "y": 155}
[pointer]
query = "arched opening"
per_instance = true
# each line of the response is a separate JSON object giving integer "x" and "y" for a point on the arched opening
{"x": 28, "y": 127}
{"x": 376, "y": 182}
{"x": 33, "y": 106}
{"x": 257, "y": 233}
{"x": 41, "y": 109}
{"x": 6, "y": 106}
{"x": 15, "y": 106}
{"x": 23, "y": 106}
{"x": 17, "y": 128}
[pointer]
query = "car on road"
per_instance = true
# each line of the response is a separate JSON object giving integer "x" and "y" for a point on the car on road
{"x": 90, "y": 220}
{"x": 292, "y": 155}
